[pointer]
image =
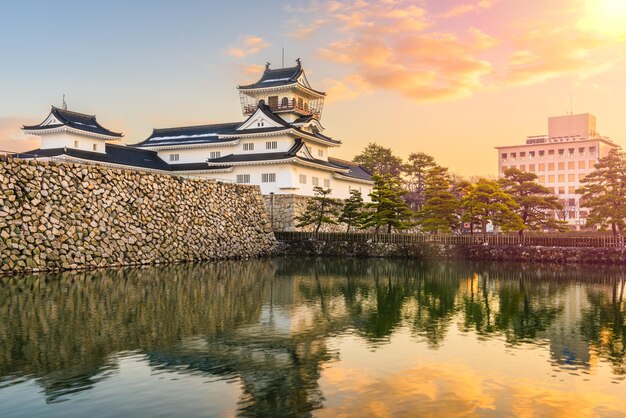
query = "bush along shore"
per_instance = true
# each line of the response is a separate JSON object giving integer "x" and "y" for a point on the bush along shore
{"x": 58, "y": 216}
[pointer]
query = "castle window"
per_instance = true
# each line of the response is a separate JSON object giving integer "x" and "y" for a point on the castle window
{"x": 284, "y": 102}
{"x": 95, "y": 147}
{"x": 271, "y": 145}
{"x": 248, "y": 146}
{"x": 326, "y": 183}
{"x": 243, "y": 178}
{"x": 320, "y": 152}
{"x": 215, "y": 154}
{"x": 268, "y": 178}
{"x": 315, "y": 181}
{"x": 75, "y": 144}
{"x": 272, "y": 101}
{"x": 174, "y": 157}
{"x": 300, "y": 102}
{"x": 302, "y": 179}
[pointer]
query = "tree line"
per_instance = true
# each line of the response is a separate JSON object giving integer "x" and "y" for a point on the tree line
{"x": 421, "y": 194}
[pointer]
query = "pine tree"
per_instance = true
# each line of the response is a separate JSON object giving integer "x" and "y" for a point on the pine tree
{"x": 417, "y": 169}
{"x": 441, "y": 209}
{"x": 379, "y": 160}
{"x": 536, "y": 203}
{"x": 388, "y": 206}
{"x": 604, "y": 192}
{"x": 487, "y": 202}
{"x": 321, "y": 209}
{"x": 352, "y": 213}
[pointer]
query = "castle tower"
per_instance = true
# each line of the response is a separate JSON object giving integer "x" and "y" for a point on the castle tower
{"x": 287, "y": 93}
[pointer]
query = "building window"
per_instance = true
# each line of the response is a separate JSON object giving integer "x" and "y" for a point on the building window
{"x": 522, "y": 154}
{"x": 75, "y": 144}
{"x": 542, "y": 153}
{"x": 513, "y": 155}
{"x": 243, "y": 178}
{"x": 302, "y": 179}
{"x": 581, "y": 164}
{"x": 581, "y": 177}
{"x": 320, "y": 152}
{"x": 248, "y": 146}
{"x": 522, "y": 167}
{"x": 300, "y": 103}
{"x": 531, "y": 167}
{"x": 550, "y": 166}
{"x": 561, "y": 178}
{"x": 571, "y": 190}
{"x": 561, "y": 152}
{"x": 284, "y": 102}
{"x": 531, "y": 154}
{"x": 571, "y": 151}
{"x": 542, "y": 179}
{"x": 592, "y": 150}
{"x": 174, "y": 157}
{"x": 215, "y": 154}
{"x": 571, "y": 178}
{"x": 561, "y": 189}
{"x": 503, "y": 156}
{"x": 571, "y": 165}
{"x": 542, "y": 167}
{"x": 551, "y": 178}
{"x": 327, "y": 183}
{"x": 260, "y": 124}
{"x": 271, "y": 145}
{"x": 95, "y": 147}
{"x": 550, "y": 152}
{"x": 561, "y": 166}
{"x": 268, "y": 178}
{"x": 581, "y": 151}
{"x": 591, "y": 163}
{"x": 315, "y": 181}
{"x": 503, "y": 168}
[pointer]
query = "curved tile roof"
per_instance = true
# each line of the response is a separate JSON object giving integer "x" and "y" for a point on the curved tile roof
{"x": 79, "y": 121}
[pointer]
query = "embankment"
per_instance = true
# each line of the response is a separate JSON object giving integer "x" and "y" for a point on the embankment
{"x": 434, "y": 251}
{"x": 58, "y": 216}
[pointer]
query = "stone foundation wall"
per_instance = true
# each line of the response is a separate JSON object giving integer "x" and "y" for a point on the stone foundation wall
{"x": 434, "y": 251}
{"x": 56, "y": 216}
{"x": 284, "y": 208}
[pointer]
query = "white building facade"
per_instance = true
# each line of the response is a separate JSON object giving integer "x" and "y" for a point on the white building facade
{"x": 561, "y": 159}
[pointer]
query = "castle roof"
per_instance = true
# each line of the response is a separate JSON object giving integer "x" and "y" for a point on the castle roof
{"x": 188, "y": 135}
{"x": 59, "y": 117}
{"x": 280, "y": 77}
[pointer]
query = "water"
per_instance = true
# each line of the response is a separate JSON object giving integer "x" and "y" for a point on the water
{"x": 310, "y": 337}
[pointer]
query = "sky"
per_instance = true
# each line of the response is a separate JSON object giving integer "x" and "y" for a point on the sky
{"x": 450, "y": 78}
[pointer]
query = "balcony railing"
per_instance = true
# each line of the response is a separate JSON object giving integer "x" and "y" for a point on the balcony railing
{"x": 250, "y": 109}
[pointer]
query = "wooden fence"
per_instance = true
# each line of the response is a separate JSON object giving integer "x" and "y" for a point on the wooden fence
{"x": 545, "y": 240}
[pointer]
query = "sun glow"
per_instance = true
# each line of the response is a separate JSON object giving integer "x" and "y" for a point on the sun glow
{"x": 606, "y": 16}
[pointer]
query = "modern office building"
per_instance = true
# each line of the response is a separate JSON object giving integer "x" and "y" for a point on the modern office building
{"x": 561, "y": 159}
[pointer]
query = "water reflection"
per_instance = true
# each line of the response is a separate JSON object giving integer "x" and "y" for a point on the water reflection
{"x": 278, "y": 329}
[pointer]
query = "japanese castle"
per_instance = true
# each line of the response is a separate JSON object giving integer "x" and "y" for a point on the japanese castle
{"x": 279, "y": 146}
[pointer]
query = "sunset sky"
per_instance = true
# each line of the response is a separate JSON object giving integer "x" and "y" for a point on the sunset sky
{"x": 449, "y": 78}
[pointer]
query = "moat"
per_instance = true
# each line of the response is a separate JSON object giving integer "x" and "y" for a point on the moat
{"x": 315, "y": 337}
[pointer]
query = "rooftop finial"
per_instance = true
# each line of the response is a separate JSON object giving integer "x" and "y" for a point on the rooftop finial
{"x": 64, "y": 103}
{"x": 267, "y": 65}
{"x": 298, "y": 61}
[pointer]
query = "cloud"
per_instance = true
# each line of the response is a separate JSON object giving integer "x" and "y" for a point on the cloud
{"x": 248, "y": 45}
{"x": 466, "y": 8}
{"x": 401, "y": 46}
{"x": 12, "y": 138}
{"x": 547, "y": 52}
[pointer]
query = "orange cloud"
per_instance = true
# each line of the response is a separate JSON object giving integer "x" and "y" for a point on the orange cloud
{"x": 466, "y": 8}
{"x": 247, "y": 46}
{"x": 548, "y": 52}
{"x": 12, "y": 138}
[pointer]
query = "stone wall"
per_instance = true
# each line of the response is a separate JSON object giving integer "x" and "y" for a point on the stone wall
{"x": 434, "y": 251}
{"x": 284, "y": 208}
{"x": 56, "y": 216}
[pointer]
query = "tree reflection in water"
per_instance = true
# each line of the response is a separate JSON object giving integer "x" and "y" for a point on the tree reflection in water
{"x": 267, "y": 322}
